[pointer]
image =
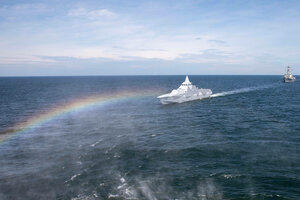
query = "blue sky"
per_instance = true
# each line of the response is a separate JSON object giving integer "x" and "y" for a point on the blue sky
{"x": 118, "y": 37}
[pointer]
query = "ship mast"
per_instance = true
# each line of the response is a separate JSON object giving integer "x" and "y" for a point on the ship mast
{"x": 288, "y": 71}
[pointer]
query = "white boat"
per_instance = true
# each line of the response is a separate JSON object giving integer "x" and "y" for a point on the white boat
{"x": 186, "y": 92}
{"x": 288, "y": 77}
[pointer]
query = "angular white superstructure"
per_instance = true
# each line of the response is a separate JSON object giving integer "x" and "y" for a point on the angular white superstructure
{"x": 288, "y": 77}
{"x": 186, "y": 92}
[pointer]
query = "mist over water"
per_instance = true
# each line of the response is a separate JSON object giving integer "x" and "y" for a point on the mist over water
{"x": 242, "y": 145}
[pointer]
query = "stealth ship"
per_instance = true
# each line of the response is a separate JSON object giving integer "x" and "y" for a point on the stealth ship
{"x": 186, "y": 92}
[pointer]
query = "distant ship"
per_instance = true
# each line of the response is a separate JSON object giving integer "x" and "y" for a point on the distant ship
{"x": 186, "y": 92}
{"x": 288, "y": 77}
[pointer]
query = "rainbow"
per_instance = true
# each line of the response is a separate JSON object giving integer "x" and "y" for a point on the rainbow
{"x": 74, "y": 105}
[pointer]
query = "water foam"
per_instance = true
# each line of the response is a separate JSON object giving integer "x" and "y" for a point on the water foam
{"x": 242, "y": 90}
{"x": 154, "y": 188}
{"x": 72, "y": 178}
{"x": 94, "y": 144}
{"x": 229, "y": 176}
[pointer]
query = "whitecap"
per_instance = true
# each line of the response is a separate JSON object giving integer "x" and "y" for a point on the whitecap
{"x": 93, "y": 145}
{"x": 122, "y": 180}
{"x": 74, "y": 176}
{"x": 117, "y": 156}
{"x": 228, "y": 176}
{"x": 113, "y": 195}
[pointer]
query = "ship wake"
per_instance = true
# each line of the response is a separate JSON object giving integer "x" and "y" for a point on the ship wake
{"x": 241, "y": 90}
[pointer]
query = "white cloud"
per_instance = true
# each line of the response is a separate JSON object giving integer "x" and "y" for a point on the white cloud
{"x": 21, "y": 10}
{"x": 101, "y": 33}
{"x": 29, "y": 59}
{"x": 119, "y": 35}
{"x": 91, "y": 14}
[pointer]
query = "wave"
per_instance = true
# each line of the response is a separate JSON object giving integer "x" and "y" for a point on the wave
{"x": 72, "y": 178}
{"x": 242, "y": 90}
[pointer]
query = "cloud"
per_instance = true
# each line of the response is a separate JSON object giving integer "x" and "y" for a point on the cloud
{"x": 91, "y": 14}
{"x": 22, "y": 11}
{"x": 124, "y": 45}
{"x": 24, "y": 60}
{"x": 101, "y": 33}
{"x": 218, "y": 41}
{"x": 209, "y": 56}
{"x": 57, "y": 33}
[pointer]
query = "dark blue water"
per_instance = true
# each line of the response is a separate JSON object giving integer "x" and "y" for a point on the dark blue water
{"x": 243, "y": 144}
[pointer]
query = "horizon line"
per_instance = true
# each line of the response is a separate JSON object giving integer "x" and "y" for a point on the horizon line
{"x": 16, "y": 76}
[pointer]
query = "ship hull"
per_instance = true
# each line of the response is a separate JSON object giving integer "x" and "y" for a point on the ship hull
{"x": 182, "y": 99}
{"x": 287, "y": 80}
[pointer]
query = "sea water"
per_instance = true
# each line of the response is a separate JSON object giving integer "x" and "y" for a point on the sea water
{"x": 242, "y": 143}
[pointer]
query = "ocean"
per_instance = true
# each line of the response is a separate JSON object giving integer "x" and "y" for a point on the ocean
{"x": 108, "y": 137}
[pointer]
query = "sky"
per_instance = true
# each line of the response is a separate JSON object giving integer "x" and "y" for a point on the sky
{"x": 137, "y": 37}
